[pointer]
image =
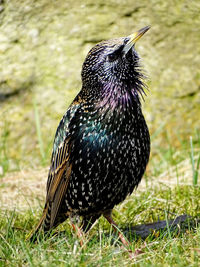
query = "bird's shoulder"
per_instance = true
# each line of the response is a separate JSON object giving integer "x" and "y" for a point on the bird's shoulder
{"x": 61, "y": 145}
{"x": 63, "y": 128}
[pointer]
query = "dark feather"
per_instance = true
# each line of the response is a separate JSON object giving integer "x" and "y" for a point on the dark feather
{"x": 102, "y": 143}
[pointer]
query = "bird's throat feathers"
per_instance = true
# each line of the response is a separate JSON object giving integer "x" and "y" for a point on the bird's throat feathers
{"x": 113, "y": 96}
{"x": 118, "y": 97}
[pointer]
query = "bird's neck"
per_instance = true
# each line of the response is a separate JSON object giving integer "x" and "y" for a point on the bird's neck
{"x": 112, "y": 96}
{"x": 113, "y": 109}
{"x": 117, "y": 96}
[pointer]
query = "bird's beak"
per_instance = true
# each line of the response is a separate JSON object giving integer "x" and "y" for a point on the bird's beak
{"x": 134, "y": 37}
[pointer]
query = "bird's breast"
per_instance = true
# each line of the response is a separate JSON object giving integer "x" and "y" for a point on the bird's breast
{"x": 109, "y": 154}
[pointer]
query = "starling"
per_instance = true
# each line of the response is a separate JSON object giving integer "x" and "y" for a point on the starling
{"x": 102, "y": 143}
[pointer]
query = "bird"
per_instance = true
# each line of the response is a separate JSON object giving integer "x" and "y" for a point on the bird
{"x": 102, "y": 143}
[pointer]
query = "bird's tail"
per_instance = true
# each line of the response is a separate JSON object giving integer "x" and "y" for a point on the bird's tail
{"x": 41, "y": 224}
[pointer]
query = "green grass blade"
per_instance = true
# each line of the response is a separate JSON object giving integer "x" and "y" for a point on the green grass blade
{"x": 195, "y": 176}
{"x": 38, "y": 130}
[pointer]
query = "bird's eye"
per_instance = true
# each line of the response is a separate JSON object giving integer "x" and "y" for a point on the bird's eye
{"x": 112, "y": 57}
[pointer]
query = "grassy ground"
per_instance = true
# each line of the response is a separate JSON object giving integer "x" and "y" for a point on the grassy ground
{"x": 170, "y": 188}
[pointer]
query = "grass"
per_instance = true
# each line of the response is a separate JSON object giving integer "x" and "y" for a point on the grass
{"x": 168, "y": 190}
{"x": 101, "y": 248}
{"x": 195, "y": 169}
{"x": 39, "y": 134}
{"x": 4, "y": 161}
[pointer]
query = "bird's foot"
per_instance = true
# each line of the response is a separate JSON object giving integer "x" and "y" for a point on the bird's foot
{"x": 125, "y": 242}
{"x": 131, "y": 253}
{"x": 80, "y": 234}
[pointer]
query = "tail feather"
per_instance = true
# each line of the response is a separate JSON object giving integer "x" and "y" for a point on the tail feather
{"x": 45, "y": 223}
{"x": 41, "y": 224}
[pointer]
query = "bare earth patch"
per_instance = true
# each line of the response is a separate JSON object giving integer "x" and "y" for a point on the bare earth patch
{"x": 23, "y": 190}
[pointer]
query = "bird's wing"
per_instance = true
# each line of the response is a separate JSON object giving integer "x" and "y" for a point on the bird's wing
{"x": 59, "y": 173}
{"x": 59, "y": 176}
{"x": 61, "y": 165}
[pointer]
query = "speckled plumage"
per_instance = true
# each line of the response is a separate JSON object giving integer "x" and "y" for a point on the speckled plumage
{"x": 102, "y": 143}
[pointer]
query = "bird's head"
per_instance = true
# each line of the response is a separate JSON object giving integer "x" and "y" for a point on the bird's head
{"x": 112, "y": 66}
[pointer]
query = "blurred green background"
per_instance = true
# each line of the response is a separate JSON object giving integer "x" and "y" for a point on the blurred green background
{"x": 43, "y": 45}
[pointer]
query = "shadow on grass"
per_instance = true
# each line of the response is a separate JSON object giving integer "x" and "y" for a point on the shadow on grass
{"x": 169, "y": 227}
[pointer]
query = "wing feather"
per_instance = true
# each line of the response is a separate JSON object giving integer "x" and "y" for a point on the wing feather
{"x": 59, "y": 173}
{"x": 59, "y": 194}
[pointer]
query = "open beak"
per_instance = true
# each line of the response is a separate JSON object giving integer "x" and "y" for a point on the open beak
{"x": 134, "y": 37}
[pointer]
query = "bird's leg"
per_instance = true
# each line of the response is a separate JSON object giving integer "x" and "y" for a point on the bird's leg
{"x": 126, "y": 243}
{"x": 109, "y": 218}
{"x": 79, "y": 233}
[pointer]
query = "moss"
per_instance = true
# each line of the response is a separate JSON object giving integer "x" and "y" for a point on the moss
{"x": 46, "y": 42}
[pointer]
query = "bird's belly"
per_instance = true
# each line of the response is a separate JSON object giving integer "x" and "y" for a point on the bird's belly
{"x": 104, "y": 180}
